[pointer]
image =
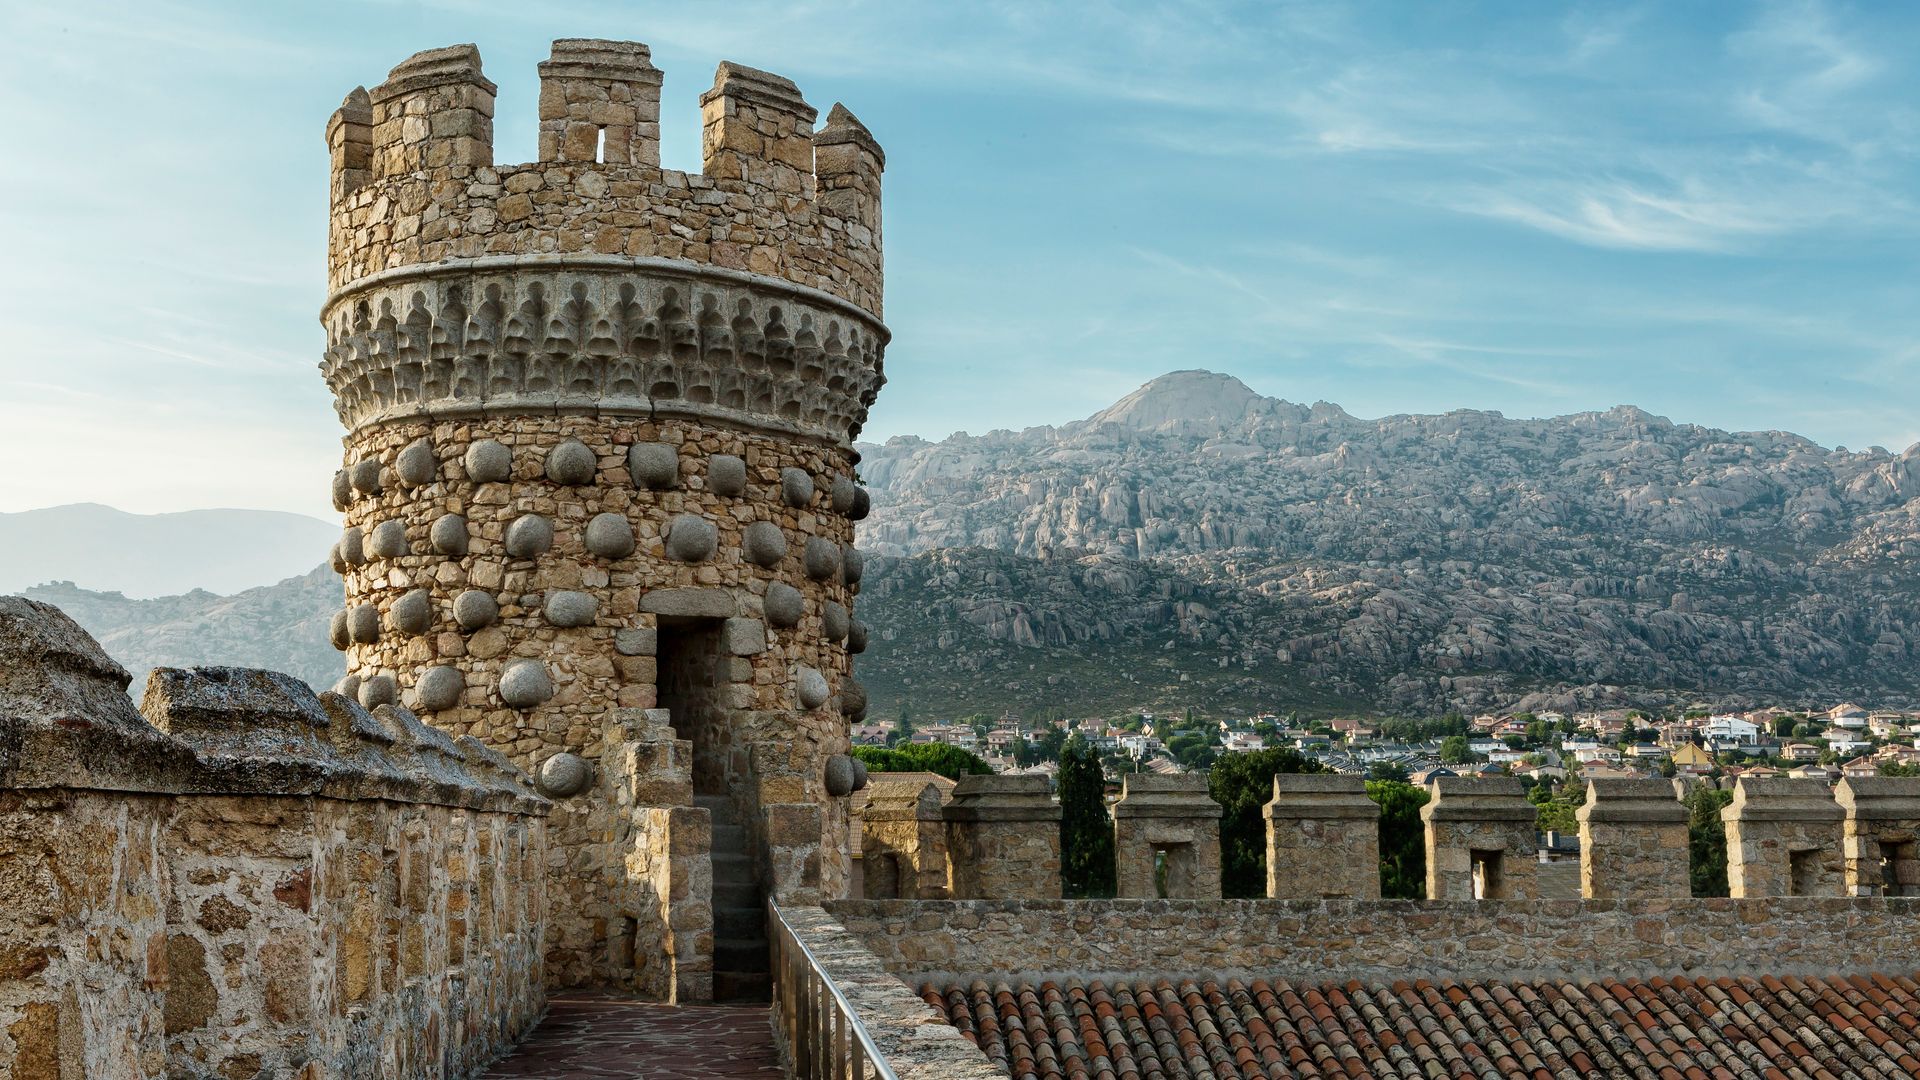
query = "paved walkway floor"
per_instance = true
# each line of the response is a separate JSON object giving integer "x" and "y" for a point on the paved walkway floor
{"x": 600, "y": 1038}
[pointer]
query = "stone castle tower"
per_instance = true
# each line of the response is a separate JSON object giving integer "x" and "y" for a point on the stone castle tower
{"x": 599, "y": 484}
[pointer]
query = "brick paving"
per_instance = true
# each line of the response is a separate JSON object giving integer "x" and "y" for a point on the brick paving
{"x": 600, "y": 1038}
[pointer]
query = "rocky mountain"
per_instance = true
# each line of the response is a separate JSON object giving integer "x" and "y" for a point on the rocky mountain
{"x": 1197, "y": 543}
{"x": 282, "y": 627}
{"x": 150, "y": 555}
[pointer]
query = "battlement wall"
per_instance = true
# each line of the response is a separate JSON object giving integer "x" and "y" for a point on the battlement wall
{"x": 250, "y": 879}
{"x": 593, "y": 280}
{"x": 1379, "y": 940}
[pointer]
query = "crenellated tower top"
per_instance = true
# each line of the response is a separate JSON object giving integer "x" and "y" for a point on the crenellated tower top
{"x": 748, "y": 293}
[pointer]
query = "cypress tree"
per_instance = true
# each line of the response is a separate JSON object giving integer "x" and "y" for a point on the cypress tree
{"x": 1086, "y": 831}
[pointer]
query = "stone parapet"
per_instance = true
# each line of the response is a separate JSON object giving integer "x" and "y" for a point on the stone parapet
{"x": 259, "y": 880}
{"x": 1481, "y": 840}
{"x": 1323, "y": 838}
{"x": 1633, "y": 841}
{"x": 1003, "y": 837}
{"x": 1166, "y": 836}
{"x": 1881, "y": 834}
{"x": 903, "y": 848}
{"x": 1331, "y": 941}
{"x": 1784, "y": 838}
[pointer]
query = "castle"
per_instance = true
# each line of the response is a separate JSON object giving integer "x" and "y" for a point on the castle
{"x": 599, "y": 492}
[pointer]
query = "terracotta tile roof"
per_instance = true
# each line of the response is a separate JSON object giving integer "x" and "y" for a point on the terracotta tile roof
{"x": 1859, "y": 1028}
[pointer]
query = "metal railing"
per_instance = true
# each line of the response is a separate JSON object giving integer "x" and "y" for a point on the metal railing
{"x": 824, "y": 1036}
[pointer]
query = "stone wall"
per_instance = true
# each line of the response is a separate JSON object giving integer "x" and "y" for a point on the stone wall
{"x": 600, "y": 458}
{"x": 1379, "y": 940}
{"x": 1784, "y": 838}
{"x": 1323, "y": 838}
{"x": 1166, "y": 837}
{"x": 250, "y": 880}
{"x": 1882, "y": 835}
{"x": 903, "y": 841}
{"x": 1003, "y": 838}
{"x": 1633, "y": 841}
{"x": 1481, "y": 840}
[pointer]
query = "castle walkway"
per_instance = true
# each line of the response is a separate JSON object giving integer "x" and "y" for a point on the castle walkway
{"x": 586, "y": 1037}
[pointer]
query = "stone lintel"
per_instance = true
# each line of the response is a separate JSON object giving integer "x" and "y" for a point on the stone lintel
{"x": 1782, "y": 800}
{"x": 1002, "y": 798}
{"x": 1879, "y": 798}
{"x": 1642, "y": 801}
{"x": 691, "y": 603}
{"x": 1319, "y": 796}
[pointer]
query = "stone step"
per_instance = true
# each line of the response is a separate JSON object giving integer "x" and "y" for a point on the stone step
{"x": 719, "y": 807}
{"x": 730, "y": 838}
{"x": 736, "y": 894}
{"x": 731, "y": 867}
{"x": 742, "y": 986}
{"x": 738, "y": 923}
{"x": 740, "y": 956}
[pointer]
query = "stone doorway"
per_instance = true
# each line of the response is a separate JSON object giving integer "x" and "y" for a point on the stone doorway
{"x": 692, "y": 686}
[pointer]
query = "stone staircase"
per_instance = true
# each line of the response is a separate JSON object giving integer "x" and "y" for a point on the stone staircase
{"x": 740, "y": 967}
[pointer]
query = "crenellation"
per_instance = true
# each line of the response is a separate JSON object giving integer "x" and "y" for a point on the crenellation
{"x": 1480, "y": 840}
{"x": 756, "y": 127}
{"x": 600, "y": 102}
{"x": 1785, "y": 837}
{"x": 434, "y": 110}
{"x": 1323, "y": 838}
{"x": 1633, "y": 841}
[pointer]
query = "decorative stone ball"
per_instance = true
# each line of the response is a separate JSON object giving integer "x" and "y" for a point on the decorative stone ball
{"x": 784, "y": 605}
{"x": 475, "y": 609}
{"x": 691, "y": 538}
{"x": 566, "y": 608}
{"x": 389, "y": 540}
{"x": 449, "y": 534}
{"x": 489, "y": 462}
{"x": 337, "y": 631}
{"x": 366, "y": 476}
{"x": 842, "y": 494}
{"x": 337, "y": 560}
{"x": 416, "y": 464}
{"x": 525, "y": 683}
{"x": 726, "y": 474}
{"x": 833, "y": 621}
{"x": 363, "y": 624}
{"x": 862, "y": 505}
{"x": 822, "y": 558}
{"x": 796, "y": 487}
{"x": 859, "y": 775}
{"x": 810, "y": 687}
{"x": 853, "y": 701}
{"x": 563, "y": 775}
{"x": 353, "y": 551}
{"x": 654, "y": 465}
{"x": 839, "y": 775}
{"x": 348, "y": 687}
{"x": 857, "y": 636}
{"x": 610, "y": 536}
{"x": 852, "y": 564}
{"x": 571, "y": 463}
{"x": 438, "y": 688}
{"x": 763, "y": 543}
{"x": 342, "y": 490}
{"x": 412, "y": 613}
{"x": 378, "y": 690}
{"x": 528, "y": 536}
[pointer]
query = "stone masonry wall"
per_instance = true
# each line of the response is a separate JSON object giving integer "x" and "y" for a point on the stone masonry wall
{"x": 1323, "y": 838}
{"x": 1170, "y": 819}
{"x": 1784, "y": 838}
{"x": 251, "y": 880}
{"x": 1633, "y": 841}
{"x": 1003, "y": 838}
{"x": 1375, "y": 940}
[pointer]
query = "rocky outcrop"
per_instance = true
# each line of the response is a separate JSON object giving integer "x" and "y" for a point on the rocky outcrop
{"x": 1262, "y": 553}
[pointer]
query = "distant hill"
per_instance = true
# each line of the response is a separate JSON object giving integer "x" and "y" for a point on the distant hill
{"x": 152, "y": 555}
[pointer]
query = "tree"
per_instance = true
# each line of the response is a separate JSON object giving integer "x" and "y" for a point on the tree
{"x": 1086, "y": 831}
{"x": 1894, "y": 768}
{"x": 1387, "y": 770}
{"x": 1454, "y": 751}
{"x": 1707, "y": 841}
{"x": 1403, "y": 841}
{"x": 949, "y": 761}
{"x": 1242, "y": 784}
{"x": 1783, "y": 726}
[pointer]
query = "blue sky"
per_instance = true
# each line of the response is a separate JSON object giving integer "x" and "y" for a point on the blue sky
{"x": 1707, "y": 210}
